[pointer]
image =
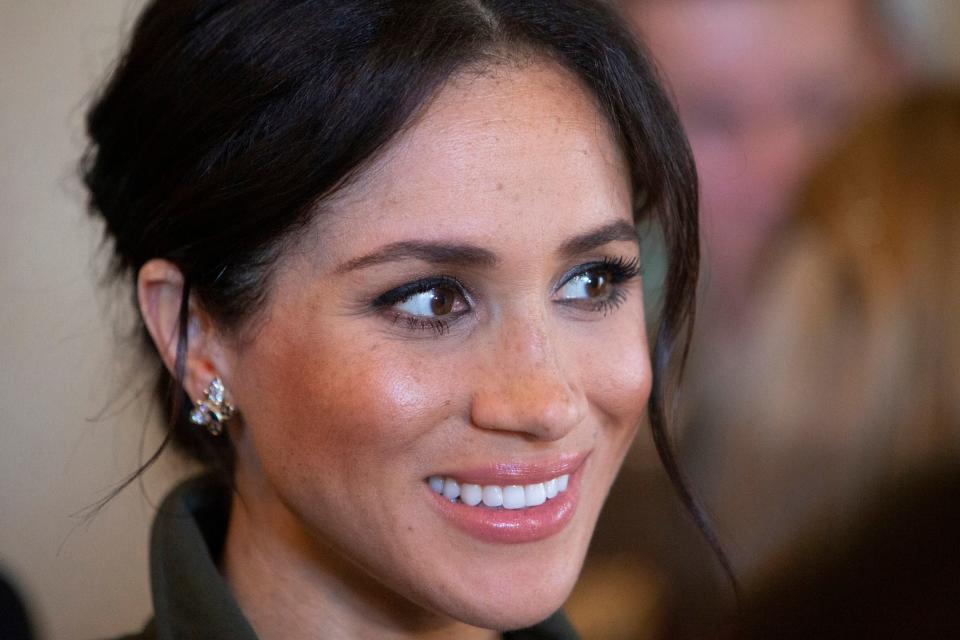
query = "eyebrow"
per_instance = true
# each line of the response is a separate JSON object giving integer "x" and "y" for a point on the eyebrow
{"x": 619, "y": 231}
{"x": 472, "y": 255}
{"x": 432, "y": 252}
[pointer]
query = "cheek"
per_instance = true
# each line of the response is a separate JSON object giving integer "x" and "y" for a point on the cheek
{"x": 618, "y": 378}
{"x": 338, "y": 410}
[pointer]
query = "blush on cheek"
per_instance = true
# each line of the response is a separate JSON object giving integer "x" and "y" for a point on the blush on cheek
{"x": 315, "y": 403}
{"x": 323, "y": 435}
{"x": 621, "y": 383}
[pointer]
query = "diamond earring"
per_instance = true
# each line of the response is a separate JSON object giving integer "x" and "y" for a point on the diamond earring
{"x": 213, "y": 410}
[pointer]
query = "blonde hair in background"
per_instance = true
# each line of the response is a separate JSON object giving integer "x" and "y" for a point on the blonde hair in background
{"x": 866, "y": 285}
{"x": 851, "y": 374}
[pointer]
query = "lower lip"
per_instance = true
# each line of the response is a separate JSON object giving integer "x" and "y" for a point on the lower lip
{"x": 513, "y": 525}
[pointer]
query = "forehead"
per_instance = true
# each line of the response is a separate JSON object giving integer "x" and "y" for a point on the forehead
{"x": 514, "y": 153}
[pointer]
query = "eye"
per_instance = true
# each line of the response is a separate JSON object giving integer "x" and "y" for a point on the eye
{"x": 598, "y": 286}
{"x": 590, "y": 285}
{"x": 431, "y": 303}
{"x": 436, "y": 302}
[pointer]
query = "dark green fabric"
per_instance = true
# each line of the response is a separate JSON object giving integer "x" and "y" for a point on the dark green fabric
{"x": 191, "y": 600}
{"x": 556, "y": 627}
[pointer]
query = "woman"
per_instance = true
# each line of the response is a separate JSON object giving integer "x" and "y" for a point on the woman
{"x": 388, "y": 250}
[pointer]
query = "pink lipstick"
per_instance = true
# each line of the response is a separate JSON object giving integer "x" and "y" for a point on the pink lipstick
{"x": 510, "y": 502}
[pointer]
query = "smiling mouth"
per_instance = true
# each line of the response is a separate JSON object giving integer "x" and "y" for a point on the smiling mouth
{"x": 510, "y": 502}
{"x": 494, "y": 496}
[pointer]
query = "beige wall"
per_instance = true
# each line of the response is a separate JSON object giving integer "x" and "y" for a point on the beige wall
{"x": 58, "y": 347}
{"x": 62, "y": 352}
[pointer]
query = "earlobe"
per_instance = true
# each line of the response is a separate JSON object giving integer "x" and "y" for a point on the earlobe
{"x": 160, "y": 291}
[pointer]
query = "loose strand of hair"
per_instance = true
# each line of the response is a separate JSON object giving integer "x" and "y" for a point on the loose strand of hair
{"x": 661, "y": 440}
{"x": 175, "y": 397}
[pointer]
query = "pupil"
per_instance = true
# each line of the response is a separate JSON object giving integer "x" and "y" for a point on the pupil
{"x": 597, "y": 286}
{"x": 441, "y": 303}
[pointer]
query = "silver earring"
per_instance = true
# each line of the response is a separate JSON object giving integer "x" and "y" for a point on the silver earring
{"x": 213, "y": 410}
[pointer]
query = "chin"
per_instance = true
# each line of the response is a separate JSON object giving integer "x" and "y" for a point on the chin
{"x": 514, "y": 602}
{"x": 514, "y": 588}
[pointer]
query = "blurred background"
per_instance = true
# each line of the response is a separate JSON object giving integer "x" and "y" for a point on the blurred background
{"x": 822, "y": 391}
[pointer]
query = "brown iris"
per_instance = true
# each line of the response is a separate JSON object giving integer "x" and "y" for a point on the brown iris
{"x": 598, "y": 284}
{"x": 442, "y": 301}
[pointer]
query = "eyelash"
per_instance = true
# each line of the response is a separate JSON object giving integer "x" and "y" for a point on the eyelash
{"x": 407, "y": 291}
{"x": 439, "y": 327}
{"x": 621, "y": 270}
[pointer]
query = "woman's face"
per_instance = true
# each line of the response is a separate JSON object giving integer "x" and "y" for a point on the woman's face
{"x": 468, "y": 311}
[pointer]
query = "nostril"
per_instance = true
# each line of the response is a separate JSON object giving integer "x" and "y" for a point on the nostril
{"x": 561, "y": 414}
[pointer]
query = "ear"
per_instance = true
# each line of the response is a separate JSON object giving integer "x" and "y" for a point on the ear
{"x": 160, "y": 295}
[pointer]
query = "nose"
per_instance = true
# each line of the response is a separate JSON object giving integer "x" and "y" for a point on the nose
{"x": 524, "y": 387}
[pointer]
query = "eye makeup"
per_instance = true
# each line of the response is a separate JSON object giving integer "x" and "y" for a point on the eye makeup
{"x": 448, "y": 294}
{"x": 435, "y": 303}
{"x": 601, "y": 282}
{"x": 620, "y": 269}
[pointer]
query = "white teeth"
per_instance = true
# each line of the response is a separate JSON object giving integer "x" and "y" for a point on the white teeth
{"x": 551, "y": 488}
{"x": 451, "y": 489}
{"x": 493, "y": 496}
{"x": 471, "y": 494}
{"x": 513, "y": 497}
{"x": 534, "y": 494}
{"x": 508, "y": 497}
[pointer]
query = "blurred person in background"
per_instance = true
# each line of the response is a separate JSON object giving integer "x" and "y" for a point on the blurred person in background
{"x": 764, "y": 87}
{"x": 853, "y": 375}
{"x": 849, "y": 395}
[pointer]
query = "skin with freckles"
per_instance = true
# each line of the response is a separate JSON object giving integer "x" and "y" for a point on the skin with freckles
{"x": 508, "y": 205}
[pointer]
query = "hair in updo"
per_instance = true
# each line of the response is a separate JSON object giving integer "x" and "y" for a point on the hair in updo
{"x": 227, "y": 126}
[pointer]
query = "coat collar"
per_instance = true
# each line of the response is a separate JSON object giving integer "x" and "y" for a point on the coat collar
{"x": 190, "y": 598}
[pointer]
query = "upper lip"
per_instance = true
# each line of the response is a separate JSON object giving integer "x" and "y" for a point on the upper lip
{"x": 519, "y": 472}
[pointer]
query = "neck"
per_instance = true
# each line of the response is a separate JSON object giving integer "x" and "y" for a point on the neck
{"x": 290, "y": 587}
